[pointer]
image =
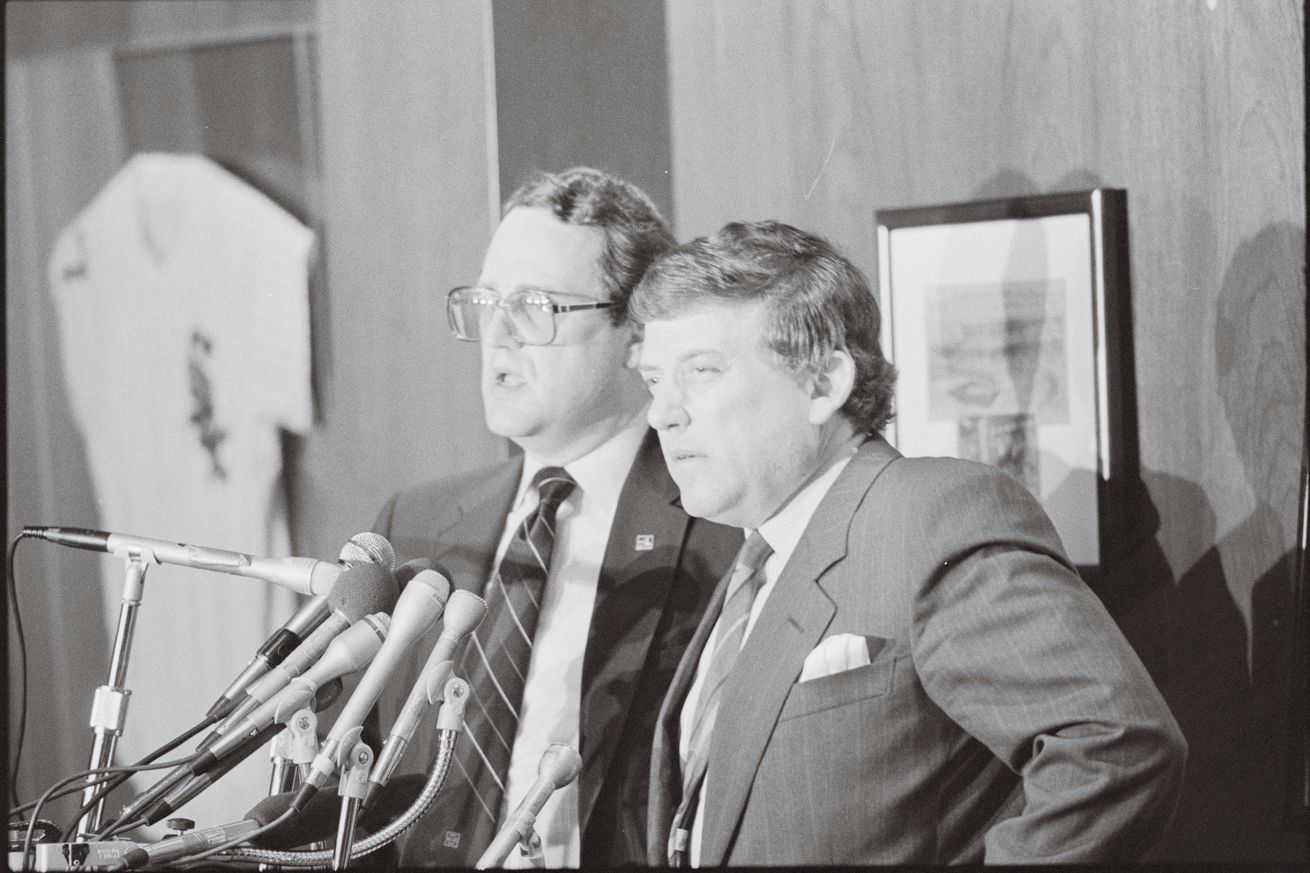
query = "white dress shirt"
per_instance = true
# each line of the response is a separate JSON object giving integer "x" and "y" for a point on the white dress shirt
{"x": 552, "y": 695}
{"x": 783, "y": 532}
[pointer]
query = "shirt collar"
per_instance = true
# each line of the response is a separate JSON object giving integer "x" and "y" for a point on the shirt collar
{"x": 600, "y": 473}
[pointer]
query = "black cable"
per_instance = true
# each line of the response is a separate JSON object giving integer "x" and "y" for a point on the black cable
{"x": 17, "y": 811}
{"x": 81, "y": 775}
{"x": 116, "y": 781}
{"x": 189, "y": 862}
{"x": 21, "y": 638}
{"x": 22, "y": 668}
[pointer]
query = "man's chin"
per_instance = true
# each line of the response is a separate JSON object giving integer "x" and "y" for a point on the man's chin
{"x": 696, "y": 505}
{"x": 509, "y": 426}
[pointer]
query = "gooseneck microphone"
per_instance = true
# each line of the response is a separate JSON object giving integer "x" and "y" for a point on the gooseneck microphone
{"x": 558, "y": 767}
{"x": 318, "y": 821}
{"x": 419, "y": 607}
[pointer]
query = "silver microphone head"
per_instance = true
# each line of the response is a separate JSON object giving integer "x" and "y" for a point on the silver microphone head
{"x": 367, "y": 548}
{"x": 559, "y": 764}
{"x": 464, "y": 612}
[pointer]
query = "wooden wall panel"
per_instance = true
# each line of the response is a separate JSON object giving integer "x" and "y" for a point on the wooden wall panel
{"x": 64, "y": 140}
{"x": 820, "y": 113}
{"x": 583, "y": 83}
{"x": 407, "y": 177}
{"x": 406, "y": 205}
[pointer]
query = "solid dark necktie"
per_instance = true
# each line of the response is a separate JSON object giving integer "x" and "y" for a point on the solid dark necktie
{"x": 494, "y": 662}
{"x": 745, "y": 581}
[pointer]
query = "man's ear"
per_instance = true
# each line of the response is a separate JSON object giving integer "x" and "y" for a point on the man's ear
{"x": 634, "y": 345}
{"x": 831, "y": 386}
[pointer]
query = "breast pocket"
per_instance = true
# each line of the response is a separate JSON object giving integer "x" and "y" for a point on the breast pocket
{"x": 840, "y": 689}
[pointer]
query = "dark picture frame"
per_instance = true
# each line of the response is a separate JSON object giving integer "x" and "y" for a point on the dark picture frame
{"x": 1009, "y": 323}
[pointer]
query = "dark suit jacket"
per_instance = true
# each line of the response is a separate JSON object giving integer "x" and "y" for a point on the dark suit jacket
{"x": 648, "y": 602}
{"x": 1002, "y": 715}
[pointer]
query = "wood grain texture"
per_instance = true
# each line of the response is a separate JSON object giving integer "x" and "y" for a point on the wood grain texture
{"x": 820, "y": 113}
{"x": 583, "y": 83}
{"x": 64, "y": 141}
{"x": 407, "y": 215}
{"x": 403, "y": 214}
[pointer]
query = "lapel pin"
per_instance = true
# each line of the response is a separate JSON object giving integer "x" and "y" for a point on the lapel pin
{"x": 645, "y": 542}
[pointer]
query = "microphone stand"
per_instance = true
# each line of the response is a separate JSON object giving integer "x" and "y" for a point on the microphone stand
{"x": 530, "y": 848}
{"x": 292, "y": 750}
{"x": 352, "y": 787}
{"x": 450, "y": 724}
{"x": 109, "y": 706}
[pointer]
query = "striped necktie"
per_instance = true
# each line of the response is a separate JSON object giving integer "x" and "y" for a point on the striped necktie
{"x": 495, "y": 663}
{"x": 745, "y": 582}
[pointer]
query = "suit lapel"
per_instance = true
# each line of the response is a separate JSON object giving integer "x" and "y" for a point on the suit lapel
{"x": 791, "y": 624}
{"x": 666, "y": 771}
{"x": 468, "y": 543}
{"x": 641, "y": 560}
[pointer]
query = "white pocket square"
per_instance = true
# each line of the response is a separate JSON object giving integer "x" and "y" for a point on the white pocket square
{"x": 835, "y": 655}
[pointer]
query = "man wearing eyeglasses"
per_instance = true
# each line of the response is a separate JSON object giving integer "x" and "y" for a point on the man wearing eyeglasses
{"x": 593, "y": 575}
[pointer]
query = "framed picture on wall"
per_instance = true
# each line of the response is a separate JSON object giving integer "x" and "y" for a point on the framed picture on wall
{"x": 1006, "y": 320}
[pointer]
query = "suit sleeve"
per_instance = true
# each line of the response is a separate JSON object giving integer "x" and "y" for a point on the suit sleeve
{"x": 1019, "y": 652}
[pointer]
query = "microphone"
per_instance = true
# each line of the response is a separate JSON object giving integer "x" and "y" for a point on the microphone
{"x": 360, "y": 590}
{"x": 367, "y": 548}
{"x": 464, "y": 612}
{"x": 317, "y": 821}
{"x": 558, "y": 767}
{"x": 193, "y": 787}
{"x": 419, "y": 607}
{"x": 185, "y": 844}
{"x": 349, "y": 651}
{"x": 301, "y": 575}
{"x": 362, "y": 548}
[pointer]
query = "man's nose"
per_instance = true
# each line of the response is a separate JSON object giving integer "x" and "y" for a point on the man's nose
{"x": 498, "y": 331}
{"x": 666, "y": 410}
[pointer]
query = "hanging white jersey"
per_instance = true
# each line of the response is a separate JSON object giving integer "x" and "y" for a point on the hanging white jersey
{"x": 182, "y": 296}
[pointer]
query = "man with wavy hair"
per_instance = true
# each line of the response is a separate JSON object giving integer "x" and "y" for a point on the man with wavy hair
{"x": 903, "y": 667}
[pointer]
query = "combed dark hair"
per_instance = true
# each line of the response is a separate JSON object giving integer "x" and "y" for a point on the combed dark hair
{"x": 818, "y": 302}
{"x": 635, "y": 232}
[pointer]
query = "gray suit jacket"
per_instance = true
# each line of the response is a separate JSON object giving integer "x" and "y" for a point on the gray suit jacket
{"x": 1003, "y": 717}
{"x": 648, "y": 602}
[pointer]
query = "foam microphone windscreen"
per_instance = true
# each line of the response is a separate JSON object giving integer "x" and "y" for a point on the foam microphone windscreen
{"x": 363, "y": 590}
{"x": 318, "y": 820}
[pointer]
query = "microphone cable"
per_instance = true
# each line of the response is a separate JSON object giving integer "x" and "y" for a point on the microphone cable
{"x": 21, "y": 638}
{"x": 22, "y": 665}
{"x": 80, "y": 775}
{"x": 117, "y": 780}
{"x": 190, "y": 861}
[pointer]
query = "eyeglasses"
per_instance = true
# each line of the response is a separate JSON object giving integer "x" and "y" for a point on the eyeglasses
{"x": 530, "y": 315}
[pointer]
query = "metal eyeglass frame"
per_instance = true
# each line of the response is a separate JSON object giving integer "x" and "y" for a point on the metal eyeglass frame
{"x": 539, "y": 299}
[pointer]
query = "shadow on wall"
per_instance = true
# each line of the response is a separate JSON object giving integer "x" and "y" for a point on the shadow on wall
{"x": 1229, "y": 687}
{"x": 1233, "y": 700}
